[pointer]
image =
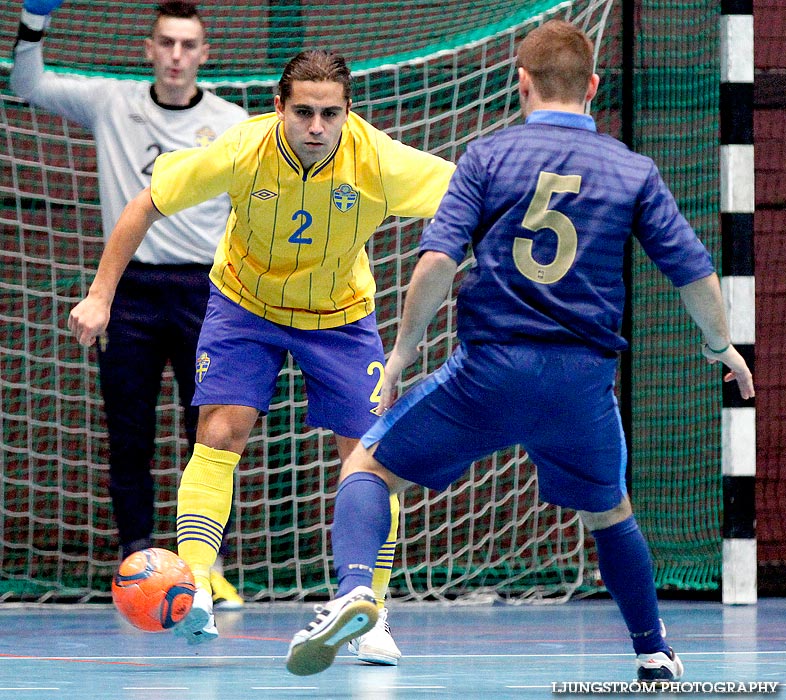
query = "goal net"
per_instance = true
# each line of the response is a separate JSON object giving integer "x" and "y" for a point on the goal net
{"x": 435, "y": 76}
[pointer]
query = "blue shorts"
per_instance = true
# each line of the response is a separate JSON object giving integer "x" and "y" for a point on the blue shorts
{"x": 557, "y": 402}
{"x": 240, "y": 355}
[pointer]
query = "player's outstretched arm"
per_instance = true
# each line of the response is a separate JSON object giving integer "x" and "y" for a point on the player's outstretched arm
{"x": 73, "y": 98}
{"x": 430, "y": 284}
{"x": 89, "y": 318}
{"x": 704, "y": 301}
{"x": 34, "y": 20}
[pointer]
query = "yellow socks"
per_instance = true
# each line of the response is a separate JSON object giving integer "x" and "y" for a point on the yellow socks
{"x": 204, "y": 501}
{"x": 383, "y": 569}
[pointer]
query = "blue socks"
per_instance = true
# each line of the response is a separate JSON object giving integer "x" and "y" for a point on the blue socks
{"x": 626, "y": 568}
{"x": 361, "y": 523}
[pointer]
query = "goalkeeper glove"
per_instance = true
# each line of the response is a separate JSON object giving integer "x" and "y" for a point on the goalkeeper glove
{"x": 35, "y": 18}
{"x": 41, "y": 7}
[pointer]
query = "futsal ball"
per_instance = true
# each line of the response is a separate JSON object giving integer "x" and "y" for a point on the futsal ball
{"x": 153, "y": 589}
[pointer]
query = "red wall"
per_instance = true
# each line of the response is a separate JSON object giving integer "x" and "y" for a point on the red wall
{"x": 769, "y": 18}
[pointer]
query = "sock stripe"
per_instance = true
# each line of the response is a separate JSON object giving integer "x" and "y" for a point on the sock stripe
{"x": 199, "y": 528}
{"x": 201, "y": 523}
{"x": 206, "y": 535}
{"x": 181, "y": 540}
{"x": 195, "y": 535}
{"x": 198, "y": 532}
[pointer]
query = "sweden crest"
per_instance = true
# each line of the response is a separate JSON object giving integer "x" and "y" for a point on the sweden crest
{"x": 344, "y": 197}
{"x": 204, "y": 136}
{"x": 202, "y": 365}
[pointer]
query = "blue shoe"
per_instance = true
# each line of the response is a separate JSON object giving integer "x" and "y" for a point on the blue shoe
{"x": 314, "y": 648}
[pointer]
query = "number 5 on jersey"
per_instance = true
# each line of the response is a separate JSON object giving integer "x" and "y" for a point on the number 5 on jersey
{"x": 538, "y": 217}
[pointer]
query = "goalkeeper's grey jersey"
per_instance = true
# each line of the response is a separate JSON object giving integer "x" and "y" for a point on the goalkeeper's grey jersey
{"x": 130, "y": 131}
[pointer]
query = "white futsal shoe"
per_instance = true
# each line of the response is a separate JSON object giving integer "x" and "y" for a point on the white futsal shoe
{"x": 659, "y": 666}
{"x": 314, "y": 648}
{"x": 377, "y": 645}
{"x": 199, "y": 626}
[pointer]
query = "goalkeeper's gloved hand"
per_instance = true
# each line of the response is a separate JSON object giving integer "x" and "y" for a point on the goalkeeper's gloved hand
{"x": 41, "y": 7}
{"x": 35, "y": 18}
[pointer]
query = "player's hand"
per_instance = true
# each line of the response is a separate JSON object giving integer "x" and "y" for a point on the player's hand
{"x": 398, "y": 361}
{"x": 736, "y": 363}
{"x": 42, "y": 7}
{"x": 88, "y": 320}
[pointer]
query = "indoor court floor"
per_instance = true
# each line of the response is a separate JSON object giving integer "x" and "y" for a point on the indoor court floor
{"x": 450, "y": 651}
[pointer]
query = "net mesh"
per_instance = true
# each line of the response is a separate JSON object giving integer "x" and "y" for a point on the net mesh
{"x": 676, "y": 474}
{"x": 434, "y": 75}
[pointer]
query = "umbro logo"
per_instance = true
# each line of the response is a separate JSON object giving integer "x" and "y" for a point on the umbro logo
{"x": 138, "y": 118}
{"x": 264, "y": 194}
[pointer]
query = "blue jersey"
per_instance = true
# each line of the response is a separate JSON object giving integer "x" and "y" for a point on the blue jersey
{"x": 547, "y": 208}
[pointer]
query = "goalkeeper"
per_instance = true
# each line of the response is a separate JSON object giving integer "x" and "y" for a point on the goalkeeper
{"x": 309, "y": 184}
{"x": 547, "y": 207}
{"x": 161, "y": 299}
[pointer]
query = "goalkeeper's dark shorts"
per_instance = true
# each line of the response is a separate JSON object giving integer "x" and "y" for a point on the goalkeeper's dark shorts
{"x": 557, "y": 402}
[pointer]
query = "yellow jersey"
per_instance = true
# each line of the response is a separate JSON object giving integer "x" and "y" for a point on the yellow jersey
{"x": 294, "y": 247}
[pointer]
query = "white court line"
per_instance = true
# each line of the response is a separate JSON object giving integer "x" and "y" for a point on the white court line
{"x": 377, "y": 688}
{"x": 545, "y": 655}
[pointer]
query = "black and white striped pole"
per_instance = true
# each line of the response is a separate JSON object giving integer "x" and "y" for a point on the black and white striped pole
{"x": 737, "y": 204}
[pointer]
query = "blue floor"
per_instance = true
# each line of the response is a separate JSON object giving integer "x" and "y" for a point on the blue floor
{"x": 450, "y": 651}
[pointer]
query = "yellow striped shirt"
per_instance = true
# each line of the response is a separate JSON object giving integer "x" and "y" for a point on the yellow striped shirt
{"x": 294, "y": 247}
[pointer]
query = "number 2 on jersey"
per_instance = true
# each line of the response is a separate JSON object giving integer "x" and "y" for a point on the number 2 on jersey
{"x": 376, "y": 395}
{"x": 307, "y": 220}
{"x": 538, "y": 217}
{"x": 157, "y": 149}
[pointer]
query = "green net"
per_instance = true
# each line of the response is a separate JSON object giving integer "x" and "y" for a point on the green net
{"x": 435, "y": 75}
{"x": 676, "y": 413}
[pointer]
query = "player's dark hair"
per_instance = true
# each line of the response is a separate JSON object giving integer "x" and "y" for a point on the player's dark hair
{"x": 317, "y": 66}
{"x": 178, "y": 9}
{"x": 559, "y": 58}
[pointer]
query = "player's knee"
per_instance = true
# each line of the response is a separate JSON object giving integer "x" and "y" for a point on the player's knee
{"x": 362, "y": 459}
{"x": 226, "y": 427}
{"x": 359, "y": 459}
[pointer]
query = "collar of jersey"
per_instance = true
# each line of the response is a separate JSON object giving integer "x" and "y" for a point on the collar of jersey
{"x": 294, "y": 162}
{"x": 556, "y": 118}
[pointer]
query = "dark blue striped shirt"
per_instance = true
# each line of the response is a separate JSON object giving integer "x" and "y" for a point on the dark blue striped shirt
{"x": 547, "y": 208}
